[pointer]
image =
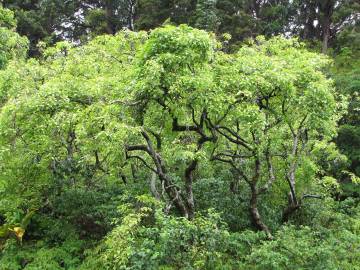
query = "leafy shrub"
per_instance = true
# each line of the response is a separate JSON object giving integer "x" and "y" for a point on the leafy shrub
{"x": 39, "y": 256}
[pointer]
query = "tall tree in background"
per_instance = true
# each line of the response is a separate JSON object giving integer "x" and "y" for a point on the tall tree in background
{"x": 323, "y": 20}
{"x": 50, "y": 21}
{"x": 150, "y": 13}
{"x": 109, "y": 16}
{"x": 313, "y": 20}
{"x": 249, "y": 18}
{"x": 205, "y": 15}
{"x": 153, "y": 13}
{"x": 346, "y": 72}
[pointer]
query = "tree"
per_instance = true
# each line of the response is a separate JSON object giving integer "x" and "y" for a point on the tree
{"x": 155, "y": 113}
{"x": 323, "y": 20}
{"x": 110, "y": 16}
{"x": 49, "y": 21}
{"x": 53, "y": 21}
{"x": 60, "y": 135}
{"x": 270, "y": 126}
{"x": 205, "y": 15}
{"x": 345, "y": 72}
{"x": 173, "y": 73}
{"x": 249, "y": 125}
{"x": 250, "y": 18}
{"x": 12, "y": 45}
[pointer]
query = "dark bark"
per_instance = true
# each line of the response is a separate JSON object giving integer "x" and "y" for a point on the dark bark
{"x": 308, "y": 11}
{"x": 189, "y": 189}
{"x": 293, "y": 207}
{"x": 326, "y": 11}
{"x": 133, "y": 172}
{"x": 131, "y": 14}
{"x": 109, "y": 13}
{"x": 293, "y": 202}
{"x": 254, "y": 212}
{"x": 255, "y": 215}
{"x": 252, "y": 182}
{"x": 171, "y": 189}
{"x": 198, "y": 127}
{"x": 289, "y": 210}
{"x": 326, "y": 34}
{"x": 184, "y": 202}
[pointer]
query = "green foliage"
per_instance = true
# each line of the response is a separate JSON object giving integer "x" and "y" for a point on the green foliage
{"x": 40, "y": 256}
{"x": 51, "y": 21}
{"x": 12, "y": 45}
{"x": 349, "y": 141}
{"x": 47, "y": 21}
{"x": 7, "y": 18}
{"x": 162, "y": 150}
{"x": 147, "y": 239}
{"x": 346, "y": 73}
{"x": 43, "y": 164}
{"x": 205, "y": 15}
{"x": 329, "y": 243}
{"x": 45, "y": 152}
{"x": 231, "y": 206}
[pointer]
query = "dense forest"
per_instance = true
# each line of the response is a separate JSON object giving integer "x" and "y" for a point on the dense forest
{"x": 189, "y": 134}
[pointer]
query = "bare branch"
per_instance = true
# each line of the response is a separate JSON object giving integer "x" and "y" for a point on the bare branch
{"x": 314, "y": 196}
{"x": 143, "y": 161}
{"x": 126, "y": 102}
{"x": 234, "y": 140}
{"x": 272, "y": 177}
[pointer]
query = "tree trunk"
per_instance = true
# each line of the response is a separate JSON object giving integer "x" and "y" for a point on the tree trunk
{"x": 326, "y": 35}
{"x": 308, "y": 11}
{"x": 174, "y": 195}
{"x": 326, "y": 10}
{"x": 254, "y": 212}
{"x": 290, "y": 209}
{"x": 188, "y": 188}
{"x": 131, "y": 16}
{"x": 153, "y": 188}
{"x": 109, "y": 17}
{"x": 171, "y": 189}
{"x": 255, "y": 215}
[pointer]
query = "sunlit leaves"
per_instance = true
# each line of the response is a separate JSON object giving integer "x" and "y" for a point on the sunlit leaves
{"x": 12, "y": 45}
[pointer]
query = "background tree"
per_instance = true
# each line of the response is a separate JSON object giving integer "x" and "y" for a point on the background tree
{"x": 324, "y": 20}
{"x": 205, "y": 15}
{"x": 49, "y": 21}
{"x": 12, "y": 45}
{"x": 247, "y": 19}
